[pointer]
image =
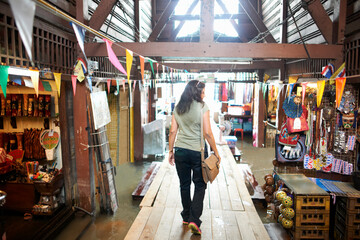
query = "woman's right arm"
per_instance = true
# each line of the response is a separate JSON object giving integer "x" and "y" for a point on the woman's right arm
{"x": 209, "y": 135}
{"x": 172, "y": 136}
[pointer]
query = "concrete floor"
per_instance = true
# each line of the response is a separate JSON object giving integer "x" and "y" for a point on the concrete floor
{"x": 127, "y": 178}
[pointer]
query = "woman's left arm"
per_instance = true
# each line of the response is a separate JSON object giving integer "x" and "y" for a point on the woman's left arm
{"x": 172, "y": 136}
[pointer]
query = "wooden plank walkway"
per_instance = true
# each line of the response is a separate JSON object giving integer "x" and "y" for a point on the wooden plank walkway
{"x": 228, "y": 213}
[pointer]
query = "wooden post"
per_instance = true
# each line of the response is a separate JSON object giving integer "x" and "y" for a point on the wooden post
{"x": 84, "y": 164}
{"x": 261, "y": 116}
{"x": 207, "y": 21}
{"x": 66, "y": 125}
{"x": 138, "y": 132}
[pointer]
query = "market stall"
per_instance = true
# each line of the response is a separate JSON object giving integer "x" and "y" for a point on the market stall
{"x": 311, "y": 190}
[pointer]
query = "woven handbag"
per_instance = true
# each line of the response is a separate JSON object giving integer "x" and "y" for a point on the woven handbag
{"x": 209, "y": 166}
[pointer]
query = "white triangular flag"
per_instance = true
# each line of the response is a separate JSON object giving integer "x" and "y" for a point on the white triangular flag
{"x": 80, "y": 36}
{"x": 24, "y": 12}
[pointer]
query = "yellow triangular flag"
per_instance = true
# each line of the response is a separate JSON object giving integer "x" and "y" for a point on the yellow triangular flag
{"x": 57, "y": 77}
{"x": 320, "y": 91}
{"x": 129, "y": 60}
{"x": 35, "y": 80}
{"x": 79, "y": 72}
{"x": 266, "y": 77}
{"x": 291, "y": 81}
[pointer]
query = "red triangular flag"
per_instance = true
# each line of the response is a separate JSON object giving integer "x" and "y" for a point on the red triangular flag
{"x": 41, "y": 86}
{"x": 74, "y": 80}
{"x": 108, "y": 85}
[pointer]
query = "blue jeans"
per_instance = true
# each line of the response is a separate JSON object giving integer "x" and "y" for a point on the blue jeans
{"x": 188, "y": 161}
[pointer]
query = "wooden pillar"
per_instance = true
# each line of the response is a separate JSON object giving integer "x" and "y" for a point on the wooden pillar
{"x": 207, "y": 21}
{"x": 261, "y": 116}
{"x": 280, "y": 112}
{"x": 137, "y": 20}
{"x": 138, "y": 131}
{"x": 152, "y": 104}
{"x": 67, "y": 141}
{"x": 283, "y": 27}
{"x": 84, "y": 163}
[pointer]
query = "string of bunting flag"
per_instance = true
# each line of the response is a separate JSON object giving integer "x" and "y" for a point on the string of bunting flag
{"x": 24, "y": 18}
{"x": 337, "y": 77}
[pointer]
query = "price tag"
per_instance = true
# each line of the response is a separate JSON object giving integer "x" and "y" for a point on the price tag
{"x": 297, "y": 123}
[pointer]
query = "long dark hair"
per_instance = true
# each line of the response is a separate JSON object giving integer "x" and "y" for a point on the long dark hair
{"x": 192, "y": 92}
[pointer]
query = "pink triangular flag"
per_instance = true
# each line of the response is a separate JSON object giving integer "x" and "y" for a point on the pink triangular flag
{"x": 108, "y": 85}
{"x": 112, "y": 57}
{"x": 73, "y": 79}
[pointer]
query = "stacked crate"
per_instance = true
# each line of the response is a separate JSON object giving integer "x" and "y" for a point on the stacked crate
{"x": 312, "y": 217}
{"x": 312, "y": 208}
{"x": 347, "y": 218}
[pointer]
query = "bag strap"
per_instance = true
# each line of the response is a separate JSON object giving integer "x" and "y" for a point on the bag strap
{"x": 202, "y": 135}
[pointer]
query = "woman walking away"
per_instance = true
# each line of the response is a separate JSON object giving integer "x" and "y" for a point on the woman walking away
{"x": 185, "y": 127}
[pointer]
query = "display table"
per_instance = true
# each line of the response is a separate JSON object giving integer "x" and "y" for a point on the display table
{"x": 20, "y": 196}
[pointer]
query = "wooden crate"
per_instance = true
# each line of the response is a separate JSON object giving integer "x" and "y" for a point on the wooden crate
{"x": 310, "y": 233}
{"x": 312, "y": 202}
{"x": 349, "y": 233}
{"x": 312, "y": 218}
{"x": 351, "y": 203}
{"x": 346, "y": 216}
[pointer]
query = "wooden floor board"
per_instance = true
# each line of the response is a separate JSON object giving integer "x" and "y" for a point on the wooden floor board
{"x": 139, "y": 224}
{"x": 173, "y": 194}
{"x": 164, "y": 228}
{"x": 215, "y": 202}
{"x": 231, "y": 227}
{"x": 218, "y": 225}
{"x": 152, "y": 224}
{"x": 164, "y": 189}
{"x": 206, "y": 226}
{"x": 243, "y": 224}
{"x": 223, "y": 190}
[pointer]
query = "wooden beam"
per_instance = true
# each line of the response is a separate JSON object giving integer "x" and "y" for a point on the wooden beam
{"x": 220, "y": 50}
{"x": 227, "y": 67}
{"x": 181, "y": 24}
{"x": 339, "y": 21}
{"x": 163, "y": 20}
{"x": 207, "y": 21}
{"x": 137, "y": 20}
{"x": 187, "y": 16}
{"x": 101, "y": 13}
{"x": 232, "y": 21}
{"x": 283, "y": 27}
{"x": 256, "y": 19}
{"x": 321, "y": 18}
